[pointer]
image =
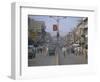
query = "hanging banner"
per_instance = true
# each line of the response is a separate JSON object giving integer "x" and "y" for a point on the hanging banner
{"x": 55, "y": 27}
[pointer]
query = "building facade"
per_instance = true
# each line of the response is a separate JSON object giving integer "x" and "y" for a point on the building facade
{"x": 79, "y": 36}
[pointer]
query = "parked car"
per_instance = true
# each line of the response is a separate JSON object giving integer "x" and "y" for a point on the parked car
{"x": 51, "y": 51}
{"x": 31, "y": 52}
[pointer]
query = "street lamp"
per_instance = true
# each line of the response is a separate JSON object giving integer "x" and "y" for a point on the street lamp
{"x": 57, "y": 19}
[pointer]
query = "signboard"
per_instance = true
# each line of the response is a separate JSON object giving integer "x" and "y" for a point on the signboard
{"x": 36, "y": 26}
{"x": 34, "y": 35}
{"x": 55, "y": 27}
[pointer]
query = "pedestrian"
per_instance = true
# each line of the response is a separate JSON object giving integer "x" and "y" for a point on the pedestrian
{"x": 34, "y": 52}
{"x": 40, "y": 50}
{"x": 76, "y": 51}
{"x": 64, "y": 51}
{"x": 85, "y": 52}
{"x": 46, "y": 51}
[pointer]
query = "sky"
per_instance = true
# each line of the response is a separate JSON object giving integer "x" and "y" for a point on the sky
{"x": 65, "y": 24}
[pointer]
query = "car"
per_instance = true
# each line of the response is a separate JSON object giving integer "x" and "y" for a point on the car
{"x": 31, "y": 52}
{"x": 51, "y": 51}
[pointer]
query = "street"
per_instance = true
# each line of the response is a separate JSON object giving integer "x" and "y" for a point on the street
{"x": 45, "y": 60}
{"x": 57, "y": 43}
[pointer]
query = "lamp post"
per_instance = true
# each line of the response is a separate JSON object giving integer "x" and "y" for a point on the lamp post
{"x": 57, "y": 19}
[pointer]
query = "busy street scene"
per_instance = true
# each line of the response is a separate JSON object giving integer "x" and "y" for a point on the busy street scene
{"x": 57, "y": 40}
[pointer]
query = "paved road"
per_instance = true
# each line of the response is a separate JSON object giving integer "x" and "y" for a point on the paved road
{"x": 70, "y": 58}
{"x": 42, "y": 61}
{"x": 60, "y": 59}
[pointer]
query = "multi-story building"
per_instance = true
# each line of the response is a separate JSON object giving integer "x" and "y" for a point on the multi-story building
{"x": 79, "y": 35}
{"x": 36, "y": 29}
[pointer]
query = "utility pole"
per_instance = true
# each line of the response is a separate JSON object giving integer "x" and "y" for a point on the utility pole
{"x": 57, "y": 19}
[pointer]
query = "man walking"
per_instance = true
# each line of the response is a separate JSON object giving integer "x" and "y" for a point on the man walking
{"x": 64, "y": 51}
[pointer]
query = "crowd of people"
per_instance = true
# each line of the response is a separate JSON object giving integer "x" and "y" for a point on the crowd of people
{"x": 74, "y": 49}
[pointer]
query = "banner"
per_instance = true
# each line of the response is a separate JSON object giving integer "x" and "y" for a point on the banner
{"x": 55, "y": 27}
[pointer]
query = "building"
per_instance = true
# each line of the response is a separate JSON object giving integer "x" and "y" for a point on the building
{"x": 36, "y": 29}
{"x": 79, "y": 36}
{"x": 81, "y": 32}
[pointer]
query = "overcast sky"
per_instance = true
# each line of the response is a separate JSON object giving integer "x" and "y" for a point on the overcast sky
{"x": 65, "y": 25}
